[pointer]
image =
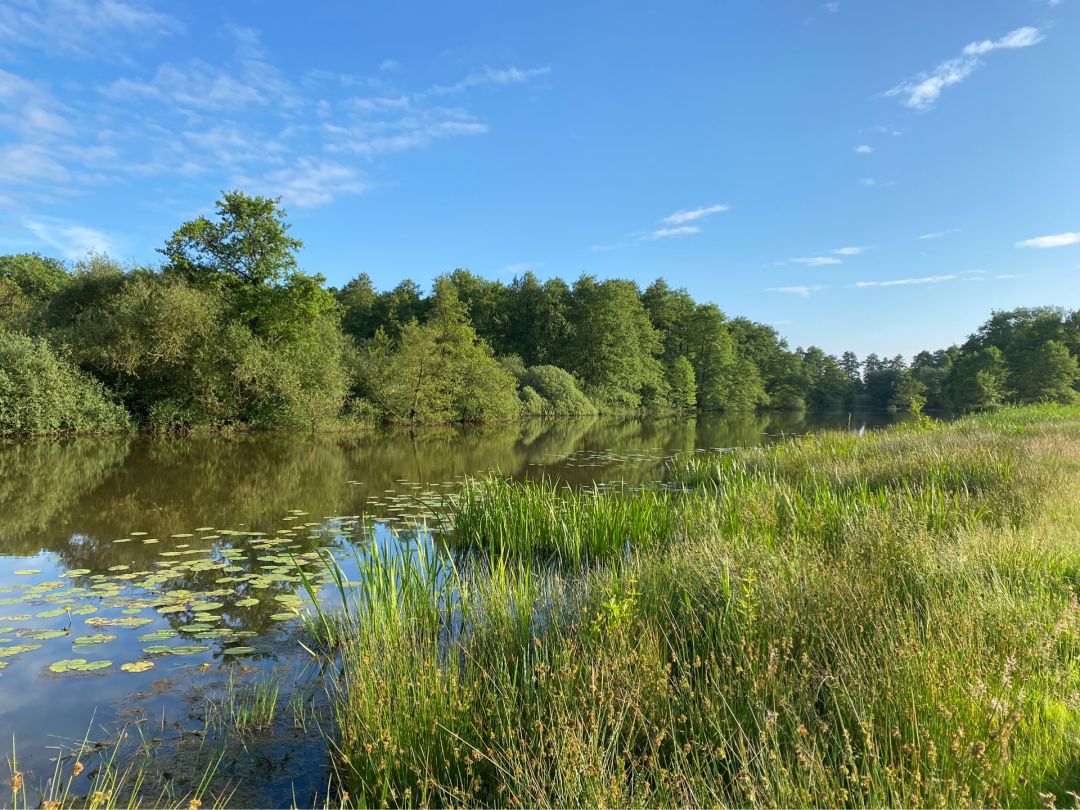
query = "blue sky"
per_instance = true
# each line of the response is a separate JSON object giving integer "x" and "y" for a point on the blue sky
{"x": 862, "y": 174}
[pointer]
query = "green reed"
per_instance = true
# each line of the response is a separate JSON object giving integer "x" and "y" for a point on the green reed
{"x": 889, "y": 619}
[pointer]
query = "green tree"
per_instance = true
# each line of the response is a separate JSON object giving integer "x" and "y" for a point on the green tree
{"x": 439, "y": 371}
{"x": 28, "y": 281}
{"x": 42, "y": 393}
{"x": 977, "y": 381}
{"x": 1048, "y": 374}
{"x": 558, "y": 391}
{"x": 248, "y": 244}
{"x": 681, "y": 384}
{"x": 614, "y": 347}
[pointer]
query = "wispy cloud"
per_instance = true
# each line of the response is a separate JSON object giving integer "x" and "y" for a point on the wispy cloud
{"x": 667, "y": 233}
{"x": 922, "y": 91}
{"x": 801, "y": 291}
{"x": 863, "y": 149}
{"x": 853, "y": 250}
{"x": 70, "y": 240}
{"x": 833, "y": 6}
{"x": 490, "y": 75}
{"x": 82, "y": 27}
{"x": 971, "y": 275}
{"x": 692, "y": 214}
{"x": 233, "y": 119}
{"x": 1053, "y": 241}
{"x": 817, "y": 261}
{"x": 939, "y": 234}
{"x": 309, "y": 183}
{"x": 868, "y": 181}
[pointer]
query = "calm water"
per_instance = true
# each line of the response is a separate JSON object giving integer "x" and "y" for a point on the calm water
{"x": 177, "y": 552}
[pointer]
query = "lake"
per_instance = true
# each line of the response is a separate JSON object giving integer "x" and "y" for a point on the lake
{"x": 176, "y": 559}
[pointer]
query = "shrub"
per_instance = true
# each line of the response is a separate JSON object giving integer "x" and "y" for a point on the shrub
{"x": 559, "y": 391}
{"x": 42, "y": 393}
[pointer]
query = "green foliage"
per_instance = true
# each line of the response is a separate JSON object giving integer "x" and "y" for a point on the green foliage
{"x": 249, "y": 244}
{"x": 885, "y": 620}
{"x": 614, "y": 348}
{"x": 439, "y": 371}
{"x": 682, "y": 384}
{"x": 558, "y": 390}
{"x": 27, "y": 282}
{"x": 909, "y": 394}
{"x": 41, "y": 393}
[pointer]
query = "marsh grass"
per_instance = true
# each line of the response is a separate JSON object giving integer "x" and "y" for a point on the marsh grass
{"x": 127, "y": 770}
{"x": 889, "y": 619}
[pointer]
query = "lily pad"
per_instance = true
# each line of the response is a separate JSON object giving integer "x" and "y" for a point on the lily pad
{"x": 137, "y": 666}
{"x": 10, "y": 652}
{"x": 96, "y": 638}
{"x": 26, "y": 572}
{"x": 78, "y": 665}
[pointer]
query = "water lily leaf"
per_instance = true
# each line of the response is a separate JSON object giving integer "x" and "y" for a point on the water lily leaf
{"x": 137, "y": 666}
{"x": 158, "y": 635}
{"x": 40, "y": 635}
{"x": 237, "y": 650}
{"x": 75, "y": 572}
{"x": 119, "y": 567}
{"x": 96, "y": 638}
{"x": 51, "y": 614}
{"x": 283, "y": 617}
{"x": 125, "y": 621}
{"x": 248, "y": 602}
{"x": 67, "y": 665}
{"x": 26, "y": 572}
{"x": 18, "y": 649}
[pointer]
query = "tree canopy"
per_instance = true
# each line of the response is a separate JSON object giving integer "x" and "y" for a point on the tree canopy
{"x": 230, "y": 332}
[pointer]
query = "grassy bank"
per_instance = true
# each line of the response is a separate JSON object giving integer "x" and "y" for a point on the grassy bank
{"x": 881, "y": 620}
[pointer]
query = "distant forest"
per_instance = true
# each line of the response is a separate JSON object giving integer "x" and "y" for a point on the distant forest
{"x": 229, "y": 333}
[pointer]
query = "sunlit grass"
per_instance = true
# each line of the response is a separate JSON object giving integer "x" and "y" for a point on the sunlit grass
{"x": 888, "y": 619}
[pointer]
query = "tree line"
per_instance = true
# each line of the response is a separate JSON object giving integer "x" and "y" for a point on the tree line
{"x": 229, "y": 332}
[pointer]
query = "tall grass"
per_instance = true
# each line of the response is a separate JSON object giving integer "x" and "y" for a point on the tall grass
{"x": 881, "y": 620}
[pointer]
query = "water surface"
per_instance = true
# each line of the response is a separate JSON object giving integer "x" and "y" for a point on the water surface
{"x": 179, "y": 552}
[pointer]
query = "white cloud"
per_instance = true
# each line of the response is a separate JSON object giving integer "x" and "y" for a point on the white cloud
{"x": 1053, "y": 241}
{"x": 489, "y": 75}
{"x": 81, "y": 27}
{"x": 1003, "y": 276}
{"x": 72, "y": 241}
{"x": 853, "y": 250}
{"x": 692, "y": 214}
{"x": 667, "y": 233}
{"x": 863, "y": 149}
{"x": 972, "y": 275}
{"x": 833, "y": 6}
{"x": 939, "y": 234}
{"x": 868, "y": 181}
{"x": 797, "y": 290}
{"x": 922, "y": 91}
{"x": 817, "y": 261}
{"x": 22, "y": 164}
{"x": 30, "y": 109}
{"x": 389, "y": 64}
{"x": 311, "y": 182}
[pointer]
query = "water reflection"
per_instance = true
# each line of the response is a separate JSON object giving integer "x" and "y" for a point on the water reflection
{"x": 190, "y": 542}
